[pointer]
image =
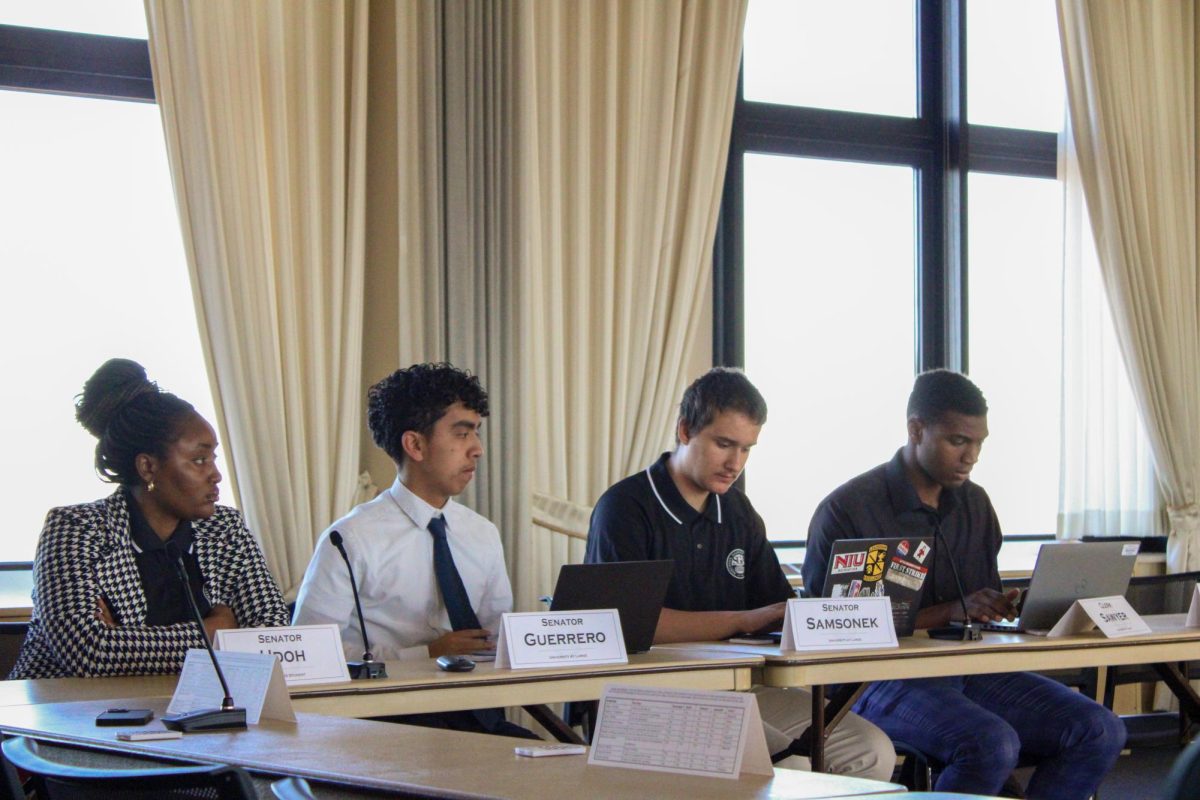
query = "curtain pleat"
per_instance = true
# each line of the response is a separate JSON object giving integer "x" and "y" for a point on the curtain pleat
{"x": 1131, "y": 85}
{"x": 625, "y": 116}
{"x": 264, "y": 112}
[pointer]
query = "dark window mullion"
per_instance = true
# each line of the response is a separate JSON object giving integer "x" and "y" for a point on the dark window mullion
{"x": 62, "y": 62}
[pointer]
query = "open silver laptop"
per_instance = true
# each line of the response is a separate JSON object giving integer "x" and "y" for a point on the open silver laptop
{"x": 1066, "y": 572}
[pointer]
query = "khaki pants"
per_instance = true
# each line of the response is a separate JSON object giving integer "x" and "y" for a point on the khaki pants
{"x": 856, "y": 746}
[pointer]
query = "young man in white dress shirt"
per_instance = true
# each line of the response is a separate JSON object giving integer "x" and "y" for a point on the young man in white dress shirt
{"x": 427, "y": 418}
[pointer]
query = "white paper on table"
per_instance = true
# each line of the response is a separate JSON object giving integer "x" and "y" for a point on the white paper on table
{"x": 1193, "y": 617}
{"x": 682, "y": 731}
{"x": 255, "y": 684}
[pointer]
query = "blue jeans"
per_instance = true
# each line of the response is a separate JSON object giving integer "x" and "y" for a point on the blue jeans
{"x": 978, "y": 725}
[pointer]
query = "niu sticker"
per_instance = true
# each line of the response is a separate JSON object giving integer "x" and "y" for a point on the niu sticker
{"x": 849, "y": 562}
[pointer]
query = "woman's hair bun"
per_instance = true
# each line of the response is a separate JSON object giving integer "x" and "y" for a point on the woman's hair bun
{"x": 115, "y": 383}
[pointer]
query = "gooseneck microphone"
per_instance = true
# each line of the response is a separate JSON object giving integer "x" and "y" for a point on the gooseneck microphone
{"x": 368, "y": 667}
{"x": 967, "y": 631}
{"x": 228, "y": 716}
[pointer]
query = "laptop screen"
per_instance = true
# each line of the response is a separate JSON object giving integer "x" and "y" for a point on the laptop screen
{"x": 635, "y": 588}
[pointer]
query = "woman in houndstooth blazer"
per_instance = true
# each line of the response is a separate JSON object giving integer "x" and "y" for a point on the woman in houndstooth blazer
{"x": 89, "y": 600}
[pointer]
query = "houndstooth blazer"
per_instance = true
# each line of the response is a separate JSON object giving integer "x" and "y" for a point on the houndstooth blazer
{"x": 85, "y": 551}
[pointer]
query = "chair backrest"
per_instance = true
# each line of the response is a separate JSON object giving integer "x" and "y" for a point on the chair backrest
{"x": 1162, "y": 594}
{"x": 1183, "y": 781}
{"x": 53, "y": 780}
{"x": 12, "y": 636}
{"x": 292, "y": 789}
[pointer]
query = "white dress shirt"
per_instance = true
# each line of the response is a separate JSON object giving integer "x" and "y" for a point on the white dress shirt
{"x": 391, "y": 549}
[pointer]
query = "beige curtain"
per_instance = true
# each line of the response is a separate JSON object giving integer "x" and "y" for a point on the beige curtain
{"x": 443, "y": 276}
{"x": 624, "y": 112}
{"x": 1131, "y": 80}
{"x": 264, "y": 109}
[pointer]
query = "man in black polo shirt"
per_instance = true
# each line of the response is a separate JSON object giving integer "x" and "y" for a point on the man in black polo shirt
{"x": 726, "y": 580}
{"x": 977, "y": 725}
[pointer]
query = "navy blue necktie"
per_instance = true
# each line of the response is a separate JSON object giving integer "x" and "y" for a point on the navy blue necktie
{"x": 454, "y": 594}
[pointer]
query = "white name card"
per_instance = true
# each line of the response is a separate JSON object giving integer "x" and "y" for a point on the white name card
{"x": 838, "y": 623}
{"x": 560, "y": 638}
{"x": 713, "y": 734}
{"x": 1112, "y": 615}
{"x": 1193, "y": 617}
{"x": 308, "y": 653}
{"x": 255, "y": 684}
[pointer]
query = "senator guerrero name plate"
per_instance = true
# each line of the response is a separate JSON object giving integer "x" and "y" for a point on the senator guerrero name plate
{"x": 560, "y": 638}
{"x": 839, "y": 624}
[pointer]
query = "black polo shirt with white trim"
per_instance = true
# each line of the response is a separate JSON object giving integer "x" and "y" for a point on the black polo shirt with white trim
{"x": 723, "y": 561}
{"x": 883, "y": 503}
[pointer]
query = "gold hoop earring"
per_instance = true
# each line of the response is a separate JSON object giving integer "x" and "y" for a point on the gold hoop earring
{"x": 150, "y": 486}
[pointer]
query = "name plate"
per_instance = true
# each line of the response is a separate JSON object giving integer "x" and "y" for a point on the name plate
{"x": 255, "y": 684}
{"x": 838, "y": 623}
{"x": 1112, "y": 615}
{"x": 691, "y": 732}
{"x": 560, "y": 638}
{"x": 308, "y": 653}
{"x": 1193, "y": 617}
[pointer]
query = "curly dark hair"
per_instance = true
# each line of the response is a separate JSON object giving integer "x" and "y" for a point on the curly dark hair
{"x": 939, "y": 391}
{"x": 129, "y": 415}
{"x": 718, "y": 390}
{"x": 414, "y": 399}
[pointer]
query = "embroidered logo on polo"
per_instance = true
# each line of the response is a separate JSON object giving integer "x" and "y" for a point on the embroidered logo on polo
{"x": 735, "y": 563}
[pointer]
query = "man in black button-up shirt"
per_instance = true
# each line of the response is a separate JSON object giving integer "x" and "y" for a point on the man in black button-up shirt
{"x": 727, "y": 579}
{"x": 977, "y": 725}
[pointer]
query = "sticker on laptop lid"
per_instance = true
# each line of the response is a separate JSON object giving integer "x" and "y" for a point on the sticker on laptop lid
{"x": 921, "y": 551}
{"x": 905, "y": 574}
{"x": 1130, "y": 549}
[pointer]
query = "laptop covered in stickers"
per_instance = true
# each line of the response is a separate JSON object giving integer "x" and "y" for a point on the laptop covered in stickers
{"x": 895, "y": 568}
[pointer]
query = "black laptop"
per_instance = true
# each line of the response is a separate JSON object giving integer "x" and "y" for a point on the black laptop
{"x": 896, "y": 568}
{"x": 635, "y": 588}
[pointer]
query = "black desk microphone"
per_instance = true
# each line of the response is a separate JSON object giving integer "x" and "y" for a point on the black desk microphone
{"x": 967, "y": 630}
{"x": 368, "y": 667}
{"x": 228, "y": 716}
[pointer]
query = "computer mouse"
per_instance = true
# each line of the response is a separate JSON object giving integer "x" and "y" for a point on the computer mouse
{"x": 455, "y": 663}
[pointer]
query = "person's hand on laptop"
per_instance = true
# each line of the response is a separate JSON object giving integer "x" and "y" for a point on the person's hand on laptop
{"x": 988, "y": 605}
{"x": 766, "y": 618}
{"x": 462, "y": 643}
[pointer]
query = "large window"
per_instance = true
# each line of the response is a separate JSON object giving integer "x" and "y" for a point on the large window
{"x": 892, "y": 206}
{"x": 93, "y": 260}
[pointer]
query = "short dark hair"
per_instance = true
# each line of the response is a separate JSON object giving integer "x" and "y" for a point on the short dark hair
{"x": 718, "y": 390}
{"x": 940, "y": 391}
{"x": 414, "y": 399}
{"x": 129, "y": 415}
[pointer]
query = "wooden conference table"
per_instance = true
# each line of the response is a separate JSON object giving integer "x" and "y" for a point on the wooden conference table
{"x": 355, "y": 756}
{"x": 919, "y": 656}
{"x": 418, "y": 687}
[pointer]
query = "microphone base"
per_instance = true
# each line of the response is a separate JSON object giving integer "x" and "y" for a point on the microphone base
{"x": 208, "y": 719}
{"x": 958, "y": 632}
{"x": 360, "y": 670}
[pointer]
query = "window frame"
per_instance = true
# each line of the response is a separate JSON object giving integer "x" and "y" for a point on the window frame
{"x": 79, "y": 64}
{"x": 941, "y": 148}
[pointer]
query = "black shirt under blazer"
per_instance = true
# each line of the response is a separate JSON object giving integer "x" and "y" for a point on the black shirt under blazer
{"x": 85, "y": 552}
